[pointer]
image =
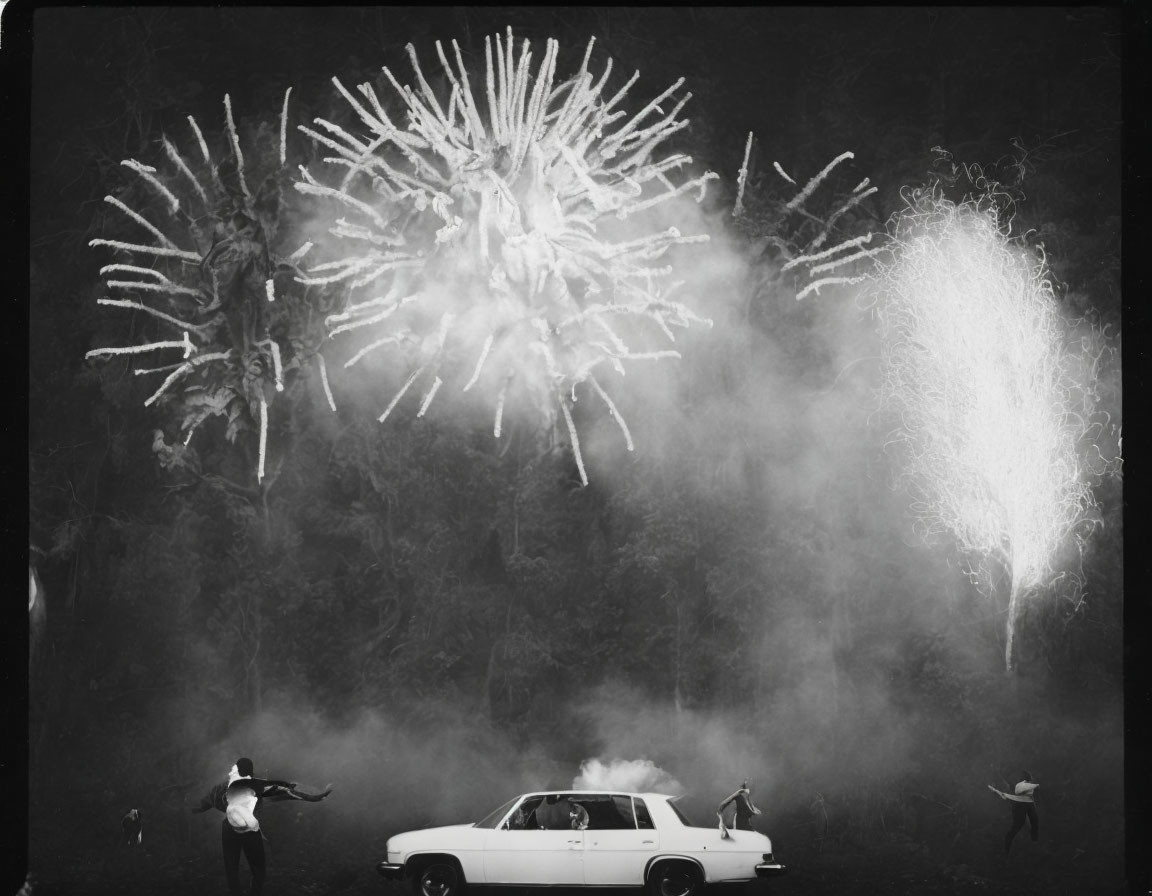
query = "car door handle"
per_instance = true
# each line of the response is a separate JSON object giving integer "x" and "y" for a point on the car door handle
{"x": 647, "y": 842}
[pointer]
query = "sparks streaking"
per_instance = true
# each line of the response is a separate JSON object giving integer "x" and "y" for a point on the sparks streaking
{"x": 980, "y": 373}
{"x": 214, "y": 278}
{"x": 514, "y": 249}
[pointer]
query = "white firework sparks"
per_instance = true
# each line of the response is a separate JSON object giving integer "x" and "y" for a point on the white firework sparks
{"x": 802, "y": 251}
{"x": 176, "y": 280}
{"x": 508, "y": 210}
{"x": 983, "y": 378}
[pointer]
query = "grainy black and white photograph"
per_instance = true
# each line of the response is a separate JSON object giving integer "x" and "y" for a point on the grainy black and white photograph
{"x": 667, "y": 449}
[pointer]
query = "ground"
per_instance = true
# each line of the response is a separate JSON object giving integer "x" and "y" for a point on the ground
{"x": 327, "y": 864}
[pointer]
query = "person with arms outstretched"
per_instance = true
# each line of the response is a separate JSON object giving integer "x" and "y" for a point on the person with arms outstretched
{"x": 238, "y": 798}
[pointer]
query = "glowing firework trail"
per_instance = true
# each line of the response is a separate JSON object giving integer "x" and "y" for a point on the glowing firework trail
{"x": 742, "y": 180}
{"x": 204, "y": 290}
{"x": 979, "y": 373}
{"x": 797, "y": 201}
{"x": 806, "y": 250}
{"x": 506, "y": 207}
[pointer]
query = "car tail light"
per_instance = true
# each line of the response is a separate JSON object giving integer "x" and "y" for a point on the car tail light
{"x": 768, "y": 857}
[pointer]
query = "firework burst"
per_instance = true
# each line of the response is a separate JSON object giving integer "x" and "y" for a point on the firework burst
{"x": 985, "y": 381}
{"x": 209, "y": 273}
{"x": 504, "y": 238}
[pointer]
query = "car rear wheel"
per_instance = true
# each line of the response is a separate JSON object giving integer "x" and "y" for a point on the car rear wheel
{"x": 438, "y": 878}
{"x": 675, "y": 879}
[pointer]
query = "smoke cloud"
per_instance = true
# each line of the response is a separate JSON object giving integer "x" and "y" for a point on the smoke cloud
{"x": 638, "y": 775}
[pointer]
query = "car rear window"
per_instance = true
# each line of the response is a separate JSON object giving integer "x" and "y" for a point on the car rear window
{"x": 683, "y": 818}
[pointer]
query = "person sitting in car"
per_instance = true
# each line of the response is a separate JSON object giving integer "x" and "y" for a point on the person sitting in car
{"x": 551, "y": 815}
{"x": 577, "y": 815}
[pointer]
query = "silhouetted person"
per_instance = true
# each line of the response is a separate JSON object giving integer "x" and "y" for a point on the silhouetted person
{"x": 551, "y": 815}
{"x": 1023, "y": 804}
{"x": 238, "y": 798}
{"x": 132, "y": 829}
{"x": 745, "y": 810}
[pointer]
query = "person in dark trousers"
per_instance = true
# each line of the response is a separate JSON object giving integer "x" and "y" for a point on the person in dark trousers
{"x": 745, "y": 810}
{"x": 238, "y": 799}
{"x": 1023, "y": 804}
{"x": 132, "y": 829}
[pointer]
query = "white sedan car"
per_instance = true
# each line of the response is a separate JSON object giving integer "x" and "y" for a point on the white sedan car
{"x": 576, "y": 839}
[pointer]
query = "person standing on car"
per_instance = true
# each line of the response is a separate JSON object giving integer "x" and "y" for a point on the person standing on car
{"x": 745, "y": 809}
{"x": 1023, "y": 804}
{"x": 238, "y": 798}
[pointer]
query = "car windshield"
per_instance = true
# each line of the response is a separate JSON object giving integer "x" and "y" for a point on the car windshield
{"x": 490, "y": 821}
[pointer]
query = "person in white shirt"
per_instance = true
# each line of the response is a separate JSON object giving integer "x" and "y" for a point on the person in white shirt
{"x": 238, "y": 799}
{"x": 1023, "y": 803}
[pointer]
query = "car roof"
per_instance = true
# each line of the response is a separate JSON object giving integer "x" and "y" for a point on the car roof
{"x": 604, "y": 792}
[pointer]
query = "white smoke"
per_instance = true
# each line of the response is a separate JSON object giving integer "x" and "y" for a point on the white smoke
{"x": 635, "y": 775}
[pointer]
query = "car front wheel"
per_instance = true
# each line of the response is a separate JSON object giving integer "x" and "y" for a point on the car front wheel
{"x": 675, "y": 879}
{"x": 438, "y": 878}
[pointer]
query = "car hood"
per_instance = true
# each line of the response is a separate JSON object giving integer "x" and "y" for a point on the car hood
{"x": 425, "y": 838}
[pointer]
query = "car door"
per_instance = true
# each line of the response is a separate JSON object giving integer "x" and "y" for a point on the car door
{"x": 534, "y": 856}
{"x": 616, "y": 849}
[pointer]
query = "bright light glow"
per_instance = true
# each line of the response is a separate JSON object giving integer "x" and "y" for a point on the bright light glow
{"x": 536, "y": 215}
{"x": 636, "y": 775}
{"x": 981, "y": 375}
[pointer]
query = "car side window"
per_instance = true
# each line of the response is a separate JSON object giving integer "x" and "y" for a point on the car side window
{"x": 524, "y": 818}
{"x": 623, "y": 806}
{"x": 643, "y": 819}
{"x": 607, "y": 812}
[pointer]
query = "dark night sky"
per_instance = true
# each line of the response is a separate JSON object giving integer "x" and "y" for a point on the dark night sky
{"x": 887, "y": 83}
{"x": 819, "y": 79}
